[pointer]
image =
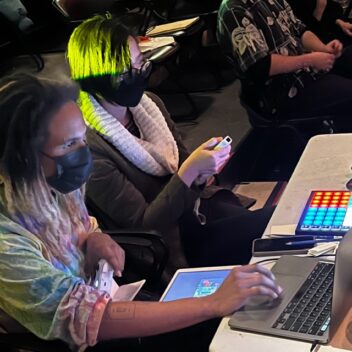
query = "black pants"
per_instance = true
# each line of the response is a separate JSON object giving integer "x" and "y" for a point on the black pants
{"x": 330, "y": 95}
{"x": 227, "y": 237}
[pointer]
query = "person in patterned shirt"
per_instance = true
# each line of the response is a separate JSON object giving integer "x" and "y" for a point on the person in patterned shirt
{"x": 285, "y": 69}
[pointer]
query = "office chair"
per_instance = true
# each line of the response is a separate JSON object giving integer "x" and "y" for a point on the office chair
{"x": 81, "y": 9}
{"x": 145, "y": 250}
{"x": 17, "y": 42}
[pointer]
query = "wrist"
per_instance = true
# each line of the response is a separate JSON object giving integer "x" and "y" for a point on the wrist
{"x": 210, "y": 307}
{"x": 187, "y": 174}
{"x": 305, "y": 61}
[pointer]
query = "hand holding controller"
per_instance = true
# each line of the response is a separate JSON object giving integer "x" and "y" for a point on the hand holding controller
{"x": 104, "y": 276}
{"x": 224, "y": 143}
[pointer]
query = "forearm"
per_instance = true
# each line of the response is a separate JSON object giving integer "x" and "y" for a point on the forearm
{"x": 137, "y": 319}
{"x": 312, "y": 43}
{"x": 284, "y": 64}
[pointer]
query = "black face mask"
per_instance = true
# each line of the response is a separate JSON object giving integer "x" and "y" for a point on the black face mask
{"x": 72, "y": 170}
{"x": 129, "y": 93}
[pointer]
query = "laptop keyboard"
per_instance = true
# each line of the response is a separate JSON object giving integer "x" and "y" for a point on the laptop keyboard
{"x": 309, "y": 310}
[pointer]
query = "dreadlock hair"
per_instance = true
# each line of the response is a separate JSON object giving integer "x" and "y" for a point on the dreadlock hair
{"x": 97, "y": 53}
{"x": 27, "y": 105}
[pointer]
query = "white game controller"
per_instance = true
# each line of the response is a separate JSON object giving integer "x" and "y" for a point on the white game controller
{"x": 104, "y": 276}
{"x": 224, "y": 143}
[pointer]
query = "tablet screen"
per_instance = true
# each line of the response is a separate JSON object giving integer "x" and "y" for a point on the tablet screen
{"x": 195, "y": 284}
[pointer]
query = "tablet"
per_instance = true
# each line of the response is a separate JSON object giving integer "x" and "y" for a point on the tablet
{"x": 195, "y": 282}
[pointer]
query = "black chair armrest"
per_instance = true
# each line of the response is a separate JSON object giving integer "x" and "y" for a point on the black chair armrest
{"x": 29, "y": 342}
{"x": 146, "y": 253}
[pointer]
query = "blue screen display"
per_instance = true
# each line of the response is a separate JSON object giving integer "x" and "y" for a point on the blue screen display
{"x": 195, "y": 284}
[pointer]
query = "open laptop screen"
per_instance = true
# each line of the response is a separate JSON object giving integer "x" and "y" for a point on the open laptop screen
{"x": 198, "y": 282}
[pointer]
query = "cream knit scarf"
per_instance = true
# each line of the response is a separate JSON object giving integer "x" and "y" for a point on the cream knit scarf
{"x": 155, "y": 152}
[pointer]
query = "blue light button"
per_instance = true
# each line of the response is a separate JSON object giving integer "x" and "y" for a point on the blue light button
{"x": 315, "y": 228}
{"x": 305, "y": 227}
{"x": 335, "y": 228}
{"x": 325, "y": 228}
{"x": 345, "y": 228}
{"x": 307, "y": 222}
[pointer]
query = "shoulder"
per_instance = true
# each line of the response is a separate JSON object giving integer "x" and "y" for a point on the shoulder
{"x": 160, "y": 104}
{"x": 157, "y": 100}
{"x": 95, "y": 141}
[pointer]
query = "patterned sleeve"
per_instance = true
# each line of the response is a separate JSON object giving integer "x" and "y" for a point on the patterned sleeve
{"x": 45, "y": 300}
{"x": 236, "y": 25}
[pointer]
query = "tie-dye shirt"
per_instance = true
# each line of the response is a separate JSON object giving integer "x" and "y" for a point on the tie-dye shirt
{"x": 50, "y": 300}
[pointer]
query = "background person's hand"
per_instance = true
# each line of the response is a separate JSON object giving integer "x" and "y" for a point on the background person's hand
{"x": 102, "y": 246}
{"x": 346, "y": 27}
{"x": 334, "y": 47}
{"x": 241, "y": 284}
{"x": 204, "y": 161}
{"x": 322, "y": 61}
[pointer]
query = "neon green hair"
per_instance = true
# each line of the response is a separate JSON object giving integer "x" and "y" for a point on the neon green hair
{"x": 91, "y": 51}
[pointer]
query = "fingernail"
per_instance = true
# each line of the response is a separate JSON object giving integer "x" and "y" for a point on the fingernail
{"x": 118, "y": 273}
{"x": 276, "y": 295}
{"x": 280, "y": 289}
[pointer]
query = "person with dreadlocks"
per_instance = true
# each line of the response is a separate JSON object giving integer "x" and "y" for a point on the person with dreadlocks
{"x": 47, "y": 238}
{"x": 143, "y": 176}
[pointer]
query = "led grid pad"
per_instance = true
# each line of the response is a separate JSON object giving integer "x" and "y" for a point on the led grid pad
{"x": 326, "y": 213}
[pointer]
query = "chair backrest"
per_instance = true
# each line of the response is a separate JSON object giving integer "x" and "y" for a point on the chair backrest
{"x": 145, "y": 250}
{"x": 256, "y": 119}
{"x": 82, "y": 9}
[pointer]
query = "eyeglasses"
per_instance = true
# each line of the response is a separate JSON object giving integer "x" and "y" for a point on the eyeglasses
{"x": 128, "y": 76}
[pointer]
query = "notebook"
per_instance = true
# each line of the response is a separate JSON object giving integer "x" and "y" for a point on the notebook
{"x": 195, "y": 282}
{"x": 317, "y": 296}
{"x": 172, "y": 27}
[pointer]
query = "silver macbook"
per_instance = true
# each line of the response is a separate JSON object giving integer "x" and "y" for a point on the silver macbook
{"x": 317, "y": 295}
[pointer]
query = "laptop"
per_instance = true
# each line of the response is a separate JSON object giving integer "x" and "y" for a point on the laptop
{"x": 195, "y": 282}
{"x": 317, "y": 296}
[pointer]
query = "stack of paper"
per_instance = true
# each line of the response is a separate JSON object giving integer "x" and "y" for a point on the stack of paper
{"x": 171, "y": 27}
{"x": 148, "y": 43}
{"x": 125, "y": 292}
